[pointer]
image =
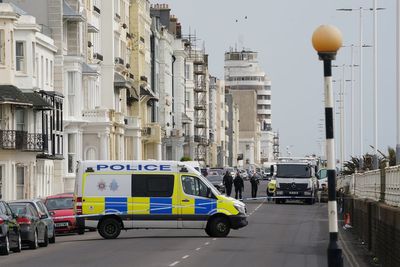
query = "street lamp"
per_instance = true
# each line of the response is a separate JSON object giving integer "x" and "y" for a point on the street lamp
{"x": 327, "y": 40}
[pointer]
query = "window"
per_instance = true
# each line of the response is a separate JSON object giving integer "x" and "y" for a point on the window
{"x": 51, "y": 72}
{"x": 194, "y": 186}
{"x": 187, "y": 100}
{"x": 2, "y": 208}
{"x": 20, "y": 56}
{"x": 116, "y": 46}
{"x": 187, "y": 71}
{"x": 71, "y": 153}
{"x": 47, "y": 71}
{"x": 152, "y": 185}
{"x": 34, "y": 59}
{"x": 72, "y": 84}
{"x": 2, "y": 47}
{"x": 20, "y": 183}
{"x": 20, "y": 119}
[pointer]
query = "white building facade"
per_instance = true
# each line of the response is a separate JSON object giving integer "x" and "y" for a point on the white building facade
{"x": 31, "y": 134}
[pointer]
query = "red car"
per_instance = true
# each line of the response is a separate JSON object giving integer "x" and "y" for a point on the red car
{"x": 61, "y": 209}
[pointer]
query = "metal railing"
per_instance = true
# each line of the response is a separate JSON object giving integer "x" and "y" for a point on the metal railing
{"x": 22, "y": 140}
{"x": 392, "y": 192}
{"x": 377, "y": 185}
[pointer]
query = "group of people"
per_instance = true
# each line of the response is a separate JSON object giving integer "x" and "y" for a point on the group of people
{"x": 238, "y": 183}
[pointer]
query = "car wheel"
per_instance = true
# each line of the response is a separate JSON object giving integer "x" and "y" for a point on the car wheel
{"x": 219, "y": 227}
{"x": 52, "y": 239}
{"x": 5, "y": 250}
{"x": 46, "y": 239}
{"x": 34, "y": 244}
{"x": 19, "y": 245}
{"x": 109, "y": 228}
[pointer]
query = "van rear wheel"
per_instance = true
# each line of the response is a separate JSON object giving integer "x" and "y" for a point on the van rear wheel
{"x": 218, "y": 227}
{"x": 109, "y": 228}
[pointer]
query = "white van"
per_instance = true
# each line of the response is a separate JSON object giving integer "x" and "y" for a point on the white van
{"x": 116, "y": 195}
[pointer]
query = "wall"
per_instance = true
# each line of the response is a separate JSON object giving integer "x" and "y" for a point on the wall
{"x": 378, "y": 225}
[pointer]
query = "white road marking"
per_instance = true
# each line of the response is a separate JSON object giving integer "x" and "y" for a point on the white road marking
{"x": 174, "y": 263}
{"x": 198, "y": 249}
{"x": 207, "y": 243}
{"x": 185, "y": 257}
{"x": 214, "y": 239}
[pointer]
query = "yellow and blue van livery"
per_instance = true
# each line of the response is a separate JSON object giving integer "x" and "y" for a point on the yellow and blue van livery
{"x": 116, "y": 195}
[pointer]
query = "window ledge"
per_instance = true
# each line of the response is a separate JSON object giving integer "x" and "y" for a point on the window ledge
{"x": 21, "y": 74}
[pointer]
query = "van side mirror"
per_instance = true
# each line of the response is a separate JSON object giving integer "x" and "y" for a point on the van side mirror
{"x": 272, "y": 170}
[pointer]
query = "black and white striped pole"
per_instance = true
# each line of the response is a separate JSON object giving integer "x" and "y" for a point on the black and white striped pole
{"x": 327, "y": 40}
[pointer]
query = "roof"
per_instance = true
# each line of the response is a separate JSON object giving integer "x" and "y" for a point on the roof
{"x": 120, "y": 81}
{"x": 185, "y": 118}
{"x": 70, "y": 14}
{"x": 38, "y": 101}
{"x": 9, "y": 94}
{"x": 62, "y": 195}
{"x": 88, "y": 70}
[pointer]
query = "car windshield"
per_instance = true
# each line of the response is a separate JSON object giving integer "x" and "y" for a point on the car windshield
{"x": 59, "y": 203}
{"x": 214, "y": 178}
{"x": 293, "y": 171}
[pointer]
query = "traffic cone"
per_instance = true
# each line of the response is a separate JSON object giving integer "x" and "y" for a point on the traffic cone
{"x": 347, "y": 222}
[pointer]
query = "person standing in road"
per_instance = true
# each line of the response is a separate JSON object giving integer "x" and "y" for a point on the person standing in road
{"x": 228, "y": 182}
{"x": 254, "y": 184}
{"x": 239, "y": 186}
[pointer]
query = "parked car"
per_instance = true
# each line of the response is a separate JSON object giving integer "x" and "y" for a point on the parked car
{"x": 33, "y": 228}
{"x": 44, "y": 215}
{"x": 10, "y": 235}
{"x": 216, "y": 180}
{"x": 244, "y": 174}
{"x": 62, "y": 210}
{"x": 231, "y": 170}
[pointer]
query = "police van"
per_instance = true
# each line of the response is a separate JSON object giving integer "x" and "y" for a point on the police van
{"x": 116, "y": 195}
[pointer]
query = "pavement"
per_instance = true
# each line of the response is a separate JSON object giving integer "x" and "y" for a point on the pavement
{"x": 286, "y": 235}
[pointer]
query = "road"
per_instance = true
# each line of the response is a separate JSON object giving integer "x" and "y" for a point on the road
{"x": 277, "y": 235}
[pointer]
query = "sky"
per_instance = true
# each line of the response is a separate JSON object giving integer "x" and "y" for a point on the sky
{"x": 281, "y": 30}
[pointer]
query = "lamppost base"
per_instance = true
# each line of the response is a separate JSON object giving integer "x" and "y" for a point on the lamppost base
{"x": 335, "y": 258}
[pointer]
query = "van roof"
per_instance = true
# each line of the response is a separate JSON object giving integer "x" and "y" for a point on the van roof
{"x": 134, "y": 165}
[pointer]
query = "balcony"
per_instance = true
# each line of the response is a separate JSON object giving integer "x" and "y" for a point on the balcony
{"x": 132, "y": 122}
{"x": 21, "y": 140}
{"x": 201, "y": 140}
{"x": 96, "y": 115}
{"x": 151, "y": 133}
{"x": 118, "y": 117}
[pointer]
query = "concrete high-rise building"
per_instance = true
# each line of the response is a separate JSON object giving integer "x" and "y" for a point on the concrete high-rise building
{"x": 251, "y": 90}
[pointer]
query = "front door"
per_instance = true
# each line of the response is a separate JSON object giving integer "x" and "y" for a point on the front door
{"x": 196, "y": 205}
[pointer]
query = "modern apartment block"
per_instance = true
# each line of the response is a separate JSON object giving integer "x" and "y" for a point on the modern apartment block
{"x": 251, "y": 88}
{"x": 31, "y": 127}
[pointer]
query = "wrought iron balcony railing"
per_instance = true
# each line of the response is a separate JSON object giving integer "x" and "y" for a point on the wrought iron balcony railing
{"x": 22, "y": 140}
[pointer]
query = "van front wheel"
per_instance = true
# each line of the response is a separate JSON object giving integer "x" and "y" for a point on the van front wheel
{"x": 109, "y": 228}
{"x": 218, "y": 227}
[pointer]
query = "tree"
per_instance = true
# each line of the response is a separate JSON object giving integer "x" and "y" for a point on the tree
{"x": 186, "y": 158}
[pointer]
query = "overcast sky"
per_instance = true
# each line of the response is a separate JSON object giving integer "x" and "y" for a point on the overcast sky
{"x": 281, "y": 30}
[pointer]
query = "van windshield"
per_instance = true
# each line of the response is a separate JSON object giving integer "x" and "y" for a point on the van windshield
{"x": 293, "y": 171}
